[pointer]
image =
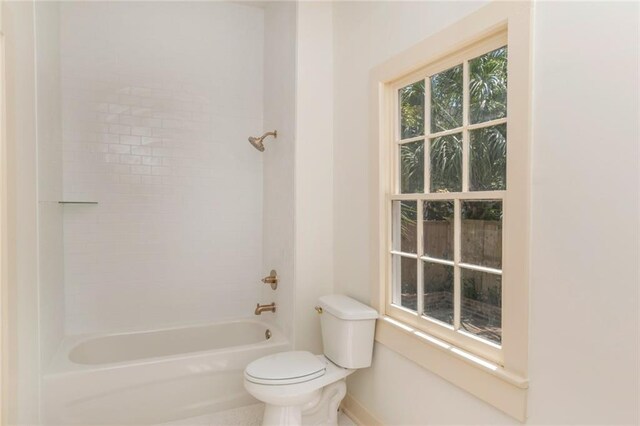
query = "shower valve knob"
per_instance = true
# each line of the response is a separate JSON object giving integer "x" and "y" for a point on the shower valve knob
{"x": 271, "y": 279}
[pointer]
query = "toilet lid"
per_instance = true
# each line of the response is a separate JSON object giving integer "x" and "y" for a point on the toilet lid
{"x": 285, "y": 368}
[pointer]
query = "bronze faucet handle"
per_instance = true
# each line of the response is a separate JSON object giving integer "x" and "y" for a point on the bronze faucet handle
{"x": 271, "y": 279}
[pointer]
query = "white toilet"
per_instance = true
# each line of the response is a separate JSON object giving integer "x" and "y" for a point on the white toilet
{"x": 298, "y": 387}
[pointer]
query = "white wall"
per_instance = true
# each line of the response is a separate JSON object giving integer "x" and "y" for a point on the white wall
{"x": 278, "y": 178}
{"x": 314, "y": 169}
{"x": 158, "y": 102}
{"x": 584, "y": 295}
{"x": 50, "y": 221}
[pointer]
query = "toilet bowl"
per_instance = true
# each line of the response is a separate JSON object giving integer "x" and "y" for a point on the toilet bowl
{"x": 296, "y": 384}
{"x": 299, "y": 387}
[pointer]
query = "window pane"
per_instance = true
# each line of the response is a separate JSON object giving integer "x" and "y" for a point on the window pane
{"x": 405, "y": 282}
{"x": 488, "y": 86}
{"x": 446, "y": 99}
{"x": 446, "y": 163}
{"x": 438, "y": 229}
{"x": 482, "y": 233}
{"x": 412, "y": 167}
{"x": 405, "y": 226}
{"x": 488, "y": 159}
{"x": 438, "y": 292}
{"x": 481, "y": 310}
{"x": 412, "y": 110}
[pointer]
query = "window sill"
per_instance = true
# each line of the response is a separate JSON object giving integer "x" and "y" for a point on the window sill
{"x": 489, "y": 382}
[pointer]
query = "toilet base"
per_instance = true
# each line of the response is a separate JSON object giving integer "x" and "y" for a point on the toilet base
{"x": 279, "y": 415}
{"x": 322, "y": 410}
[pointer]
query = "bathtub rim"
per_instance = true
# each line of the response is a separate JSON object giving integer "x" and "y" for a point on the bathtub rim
{"x": 60, "y": 363}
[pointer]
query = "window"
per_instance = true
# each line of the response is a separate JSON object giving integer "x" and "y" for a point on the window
{"x": 450, "y": 181}
{"x": 451, "y": 190}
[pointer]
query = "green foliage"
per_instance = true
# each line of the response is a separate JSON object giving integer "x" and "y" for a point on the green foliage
{"x": 494, "y": 296}
{"x": 488, "y": 86}
{"x": 488, "y": 148}
{"x": 446, "y": 164}
{"x": 473, "y": 290}
{"x": 470, "y": 289}
{"x": 412, "y": 165}
{"x": 408, "y": 214}
{"x": 439, "y": 210}
{"x": 412, "y": 110}
{"x": 482, "y": 210}
{"x": 446, "y": 100}
{"x": 487, "y": 101}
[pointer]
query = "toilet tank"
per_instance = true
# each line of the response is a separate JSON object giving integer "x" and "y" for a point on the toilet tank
{"x": 348, "y": 327}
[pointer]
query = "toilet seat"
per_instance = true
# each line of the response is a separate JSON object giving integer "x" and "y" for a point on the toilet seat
{"x": 285, "y": 368}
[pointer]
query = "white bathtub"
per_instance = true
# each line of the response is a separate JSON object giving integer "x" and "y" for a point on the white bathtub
{"x": 155, "y": 376}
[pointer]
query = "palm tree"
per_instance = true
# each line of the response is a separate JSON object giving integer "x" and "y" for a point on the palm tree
{"x": 412, "y": 110}
{"x": 487, "y": 101}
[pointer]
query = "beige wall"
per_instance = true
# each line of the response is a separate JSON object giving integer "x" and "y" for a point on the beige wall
{"x": 584, "y": 315}
{"x": 34, "y": 157}
{"x": 313, "y": 164}
{"x": 24, "y": 366}
{"x": 49, "y": 136}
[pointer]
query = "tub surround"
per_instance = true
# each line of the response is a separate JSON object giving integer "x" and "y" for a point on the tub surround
{"x": 155, "y": 129}
{"x": 138, "y": 116}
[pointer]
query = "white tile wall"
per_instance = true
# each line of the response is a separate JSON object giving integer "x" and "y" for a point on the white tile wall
{"x": 278, "y": 183}
{"x": 158, "y": 101}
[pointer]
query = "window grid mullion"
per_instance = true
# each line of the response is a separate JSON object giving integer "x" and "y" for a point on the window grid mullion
{"x": 420, "y": 249}
{"x": 394, "y": 290}
{"x": 457, "y": 229}
{"x": 457, "y": 238}
{"x": 395, "y": 276}
{"x": 444, "y": 196}
{"x": 468, "y": 126}
{"x": 396, "y": 225}
{"x": 403, "y": 254}
{"x": 395, "y": 162}
{"x": 427, "y": 131}
{"x": 409, "y": 140}
{"x": 393, "y": 180}
{"x": 465, "y": 124}
{"x": 457, "y": 198}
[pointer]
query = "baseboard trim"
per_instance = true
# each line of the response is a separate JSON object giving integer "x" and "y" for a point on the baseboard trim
{"x": 356, "y": 412}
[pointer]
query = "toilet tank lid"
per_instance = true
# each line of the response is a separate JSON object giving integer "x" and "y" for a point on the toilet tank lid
{"x": 347, "y": 308}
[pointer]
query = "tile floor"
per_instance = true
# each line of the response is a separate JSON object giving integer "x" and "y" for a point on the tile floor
{"x": 250, "y": 415}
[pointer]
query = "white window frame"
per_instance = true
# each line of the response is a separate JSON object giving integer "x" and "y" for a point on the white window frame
{"x": 496, "y": 374}
{"x": 452, "y": 334}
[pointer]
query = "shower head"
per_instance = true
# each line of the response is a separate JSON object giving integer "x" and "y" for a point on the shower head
{"x": 258, "y": 143}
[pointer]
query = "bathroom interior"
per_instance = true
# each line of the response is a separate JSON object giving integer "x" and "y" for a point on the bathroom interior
{"x": 191, "y": 221}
